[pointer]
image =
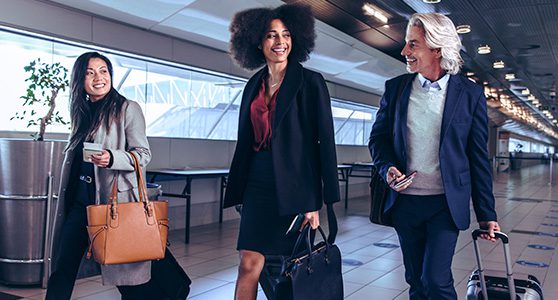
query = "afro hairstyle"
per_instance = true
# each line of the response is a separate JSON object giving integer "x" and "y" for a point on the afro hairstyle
{"x": 248, "y": 29}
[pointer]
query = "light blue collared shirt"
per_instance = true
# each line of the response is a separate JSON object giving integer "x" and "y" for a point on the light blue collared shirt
{"x": 436, "y": 85}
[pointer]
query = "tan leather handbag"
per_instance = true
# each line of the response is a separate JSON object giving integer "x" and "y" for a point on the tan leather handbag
{"x": 128, "y": 232}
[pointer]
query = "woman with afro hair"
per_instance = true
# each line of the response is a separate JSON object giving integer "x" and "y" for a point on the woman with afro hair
{"x": 285, "y": 162}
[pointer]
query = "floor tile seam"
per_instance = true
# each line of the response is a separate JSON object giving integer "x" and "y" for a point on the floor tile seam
{"x": 225, "y": 283}
{"x": 216, "y": 271}
{"x": 105, "y": 288}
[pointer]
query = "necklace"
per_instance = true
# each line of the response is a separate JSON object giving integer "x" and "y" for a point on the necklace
{"x": 272, "y": 85}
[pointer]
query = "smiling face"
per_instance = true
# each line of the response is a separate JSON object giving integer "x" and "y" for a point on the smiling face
{"x": 276, "y": 44}
{"x": 97, "y": 79}
{"x": 420, "y": 58}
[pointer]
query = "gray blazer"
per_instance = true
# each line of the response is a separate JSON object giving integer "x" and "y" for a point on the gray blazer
{"x": 127, "y": 135}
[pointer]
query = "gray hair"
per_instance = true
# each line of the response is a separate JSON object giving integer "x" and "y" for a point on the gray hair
{"x": 439, "y": 32}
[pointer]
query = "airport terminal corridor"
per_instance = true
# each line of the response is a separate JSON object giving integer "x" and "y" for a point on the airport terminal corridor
{"x": 527, "y": 207}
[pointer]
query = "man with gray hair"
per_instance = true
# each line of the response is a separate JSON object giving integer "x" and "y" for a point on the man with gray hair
{"x": 434, "y": 123}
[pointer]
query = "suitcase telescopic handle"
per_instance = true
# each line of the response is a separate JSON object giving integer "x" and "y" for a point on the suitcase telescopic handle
{"x": 509, "y": 273}
{"x": 502, "y": 236}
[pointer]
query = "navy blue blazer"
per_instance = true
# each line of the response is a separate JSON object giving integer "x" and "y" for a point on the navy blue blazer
{"x": 464, "y": 162}
{"x": 302, "y": 143}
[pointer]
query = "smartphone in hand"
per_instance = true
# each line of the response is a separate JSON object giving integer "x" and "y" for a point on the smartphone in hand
{"x": 91, "y": 149}
{"x": 405, "y": 180}
{"x": 294, "y": 228}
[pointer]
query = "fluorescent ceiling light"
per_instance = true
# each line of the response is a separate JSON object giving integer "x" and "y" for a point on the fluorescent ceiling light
{"x": 498, "y": 64}
{"x": 462, "y": 29}
{"x": 531, "y": 98}
{"x": 525, "y": 92}
{"x": 484, "y": 49}
{"x": 510, "y": 76}
{"x": 373, "y": 11}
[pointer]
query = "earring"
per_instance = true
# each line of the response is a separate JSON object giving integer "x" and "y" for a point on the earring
{"x": 87, "y": 97}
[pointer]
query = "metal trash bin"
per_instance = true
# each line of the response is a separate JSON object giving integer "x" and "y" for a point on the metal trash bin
{"x": 154, "y": 190}
{"x": 29, "y": 179}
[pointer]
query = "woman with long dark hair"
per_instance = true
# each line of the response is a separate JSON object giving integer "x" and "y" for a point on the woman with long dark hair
{"x": 99, "y": 114}
{"x": 285, "y": 162}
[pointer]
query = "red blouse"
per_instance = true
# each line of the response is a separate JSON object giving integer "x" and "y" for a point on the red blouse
{"x": 262, "y": 115}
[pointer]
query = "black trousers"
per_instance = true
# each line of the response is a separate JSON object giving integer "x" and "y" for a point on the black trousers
{"x": 427, "y": 235}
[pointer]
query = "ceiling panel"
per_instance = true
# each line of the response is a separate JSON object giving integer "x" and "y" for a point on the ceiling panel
{"x": 141, "y": 13}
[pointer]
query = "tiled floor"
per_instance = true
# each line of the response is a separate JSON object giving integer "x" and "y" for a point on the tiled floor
{"x": 525, "y": 202}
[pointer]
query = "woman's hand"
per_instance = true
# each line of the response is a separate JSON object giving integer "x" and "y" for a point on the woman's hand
{"x": 313, "y": 218}
{"x": 101, "y": 160}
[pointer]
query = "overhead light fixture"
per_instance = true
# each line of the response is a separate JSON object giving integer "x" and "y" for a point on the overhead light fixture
{"x": 531, "y": 98}
{"x": 536, "y": 102}
{"x": 510, "y": 76}
{"x": 462, "y": 29}
{"x": 525, "y": 92}
{"x": 554, "y": 121}
{"x": 373, "y": 11}
{"x": 431, "y": 1}
{"x": 498, "y": 64}
{"x": 484, "y": 49}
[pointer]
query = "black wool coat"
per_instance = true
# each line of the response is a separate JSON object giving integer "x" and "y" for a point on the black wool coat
{"x": 302, "y": 143}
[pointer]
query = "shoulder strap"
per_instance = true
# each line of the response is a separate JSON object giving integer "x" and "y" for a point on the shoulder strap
{"x": 332, "y": 223}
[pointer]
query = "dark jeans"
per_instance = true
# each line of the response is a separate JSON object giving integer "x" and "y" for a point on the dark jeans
{"x": 427, "y": 235}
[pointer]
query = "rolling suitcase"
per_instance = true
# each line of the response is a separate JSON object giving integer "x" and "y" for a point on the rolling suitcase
{"x": 482, "y": 286}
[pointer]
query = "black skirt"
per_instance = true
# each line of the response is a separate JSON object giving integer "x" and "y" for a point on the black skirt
{"x": 262, "y": 229}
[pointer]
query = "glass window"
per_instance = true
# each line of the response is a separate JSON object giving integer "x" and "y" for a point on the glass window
{"x": 352, "y": 122}
{"x": 178, "y": 101}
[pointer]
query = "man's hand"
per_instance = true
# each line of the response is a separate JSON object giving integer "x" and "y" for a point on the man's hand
{"x": 491, "y": 226}
{"x": 394, "y": 176}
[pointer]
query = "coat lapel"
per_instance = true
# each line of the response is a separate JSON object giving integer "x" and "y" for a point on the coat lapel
{"x": 287, "y": 92}
{"x": 453, "y": 98}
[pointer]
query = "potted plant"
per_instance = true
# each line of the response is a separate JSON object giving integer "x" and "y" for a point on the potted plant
{"x": 45, "y": 83}
{"x": 29, "y": 179}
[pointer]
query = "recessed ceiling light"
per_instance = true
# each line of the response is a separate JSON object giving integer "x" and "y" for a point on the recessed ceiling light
{"x": 462, "y": 29}
{"x": 498, "y": 64}
{"x": 375, "y": 12}
{"x": 484, "y": 49}
{"x": 431, "y": 1}
{"x": 510, "y": 76}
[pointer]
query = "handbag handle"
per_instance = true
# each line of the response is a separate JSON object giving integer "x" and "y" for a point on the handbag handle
{"x": 305, "y": 235}
{"x": 142, "y": 190}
